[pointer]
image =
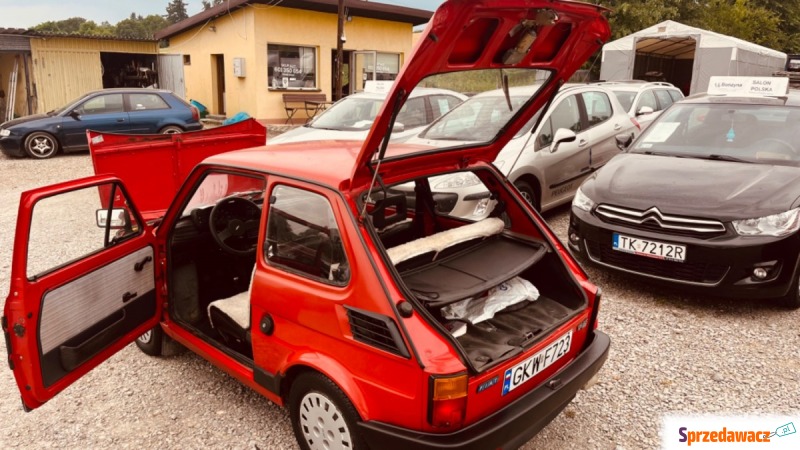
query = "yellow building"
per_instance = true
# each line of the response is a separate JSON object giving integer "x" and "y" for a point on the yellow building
{"x": 243, "y": 55}
{"x": 43, "y": 71}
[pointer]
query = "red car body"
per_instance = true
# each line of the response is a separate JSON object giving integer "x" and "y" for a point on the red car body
{"x": 417, "y": 387}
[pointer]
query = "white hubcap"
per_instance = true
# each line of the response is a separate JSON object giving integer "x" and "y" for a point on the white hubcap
{"x": 42, "y": 145}
{"x": 323, "y": 424}
{"x": 146, "y": 336}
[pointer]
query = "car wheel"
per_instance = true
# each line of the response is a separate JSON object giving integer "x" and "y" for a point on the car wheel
{"x": 41, "y": 145}
{"x": 155, "y": 343}
{"x": 172, "y": 129}
{"x": 792, "y": 298}
{"x": 322, "y": 416}
{"x": 528, "y": 193}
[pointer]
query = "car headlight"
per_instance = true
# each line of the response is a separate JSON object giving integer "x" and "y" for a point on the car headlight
{"x": 775, "y": 225}
{"x": 4, "y": 133}
{"x": 459, "y": 180}
{"x": 581, "y": 201}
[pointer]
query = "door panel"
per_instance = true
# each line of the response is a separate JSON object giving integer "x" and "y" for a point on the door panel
{"x": 83, "y": 316}
{"x": 100, "y": 113}
{"x": 569, "y": 164}
{"x": 605, "y": 124}
{"x": 70, "y": 309}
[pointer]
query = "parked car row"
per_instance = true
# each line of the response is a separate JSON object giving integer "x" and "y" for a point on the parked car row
{"x": 135, "y": 111}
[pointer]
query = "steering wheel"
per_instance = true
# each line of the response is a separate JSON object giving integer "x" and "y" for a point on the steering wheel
{"x": 759, "y": 144}
{"x": 234, "y": 225}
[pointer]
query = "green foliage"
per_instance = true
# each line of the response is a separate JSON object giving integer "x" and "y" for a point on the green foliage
{"x": 66, "y": 26}
{"x": 176, "y": 11}
{"x": 771, "y": 23}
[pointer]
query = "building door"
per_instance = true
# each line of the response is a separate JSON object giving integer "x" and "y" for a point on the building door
{"x": 218, "y": 83}
{"x": 362, "y": 69}
{"x": 170, "y": 74}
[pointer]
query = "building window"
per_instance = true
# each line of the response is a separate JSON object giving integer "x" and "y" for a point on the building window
{"x": 292, "y": 67}
{"x": 187, "y": 60}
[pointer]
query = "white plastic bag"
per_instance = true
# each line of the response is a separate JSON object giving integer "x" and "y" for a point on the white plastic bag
{"x": 500, "y": 297}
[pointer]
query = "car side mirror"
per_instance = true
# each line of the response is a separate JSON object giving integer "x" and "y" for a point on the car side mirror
{"x": 562, "y": 135}
{"x": 398, "y": 127}
{"x": 644, "y": 110}
{"x": 119, "y": 218}
{"x": 74, "y": 114}
{"x": 624, "y": 141}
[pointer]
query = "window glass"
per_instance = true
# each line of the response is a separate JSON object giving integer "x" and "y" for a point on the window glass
{"x": 302, "y": 236}
{"x": 675, "y": 94}
{"x": 102, "y": 104}
{"x": 291, "y": 67}
{"x": 412, "y": 114}
{"x": 625, "y": 98}
{"x": 143, "y": 102}
{"x": 545, "y": 135}
{"x": 71, "y": 225}
{"x": 567, "y": 115}
{"x": 387, "y": 67}
{"x": 443, "y": 103}
{"x": 598, "y": 107}
{"x": 647, "y": 99}
{"x": 664, "y": 99}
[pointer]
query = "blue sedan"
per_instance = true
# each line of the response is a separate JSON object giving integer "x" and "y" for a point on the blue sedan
{"x": 146, "y": 111}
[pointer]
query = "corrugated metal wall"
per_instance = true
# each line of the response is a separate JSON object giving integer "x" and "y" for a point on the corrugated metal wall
{"x": 66, "y": 68}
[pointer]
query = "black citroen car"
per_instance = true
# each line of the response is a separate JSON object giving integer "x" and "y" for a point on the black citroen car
{"x": 708, "y": 197}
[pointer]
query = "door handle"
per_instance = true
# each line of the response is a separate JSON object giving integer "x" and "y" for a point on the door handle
{"x": 128, "y": 296}
{"x": 140, "y": 265}
{"x": 120, "y": 120}
{"x": 617, "y": 127}
{"x": 582, "y": 143}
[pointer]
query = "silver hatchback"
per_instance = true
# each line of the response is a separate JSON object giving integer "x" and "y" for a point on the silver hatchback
{"x": 576, "y": 136}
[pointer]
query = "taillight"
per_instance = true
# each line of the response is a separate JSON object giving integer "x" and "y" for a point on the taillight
{"x": 636, "y": 122}
{"x": 448, "y": 401}
{"x": 195, "y": 113}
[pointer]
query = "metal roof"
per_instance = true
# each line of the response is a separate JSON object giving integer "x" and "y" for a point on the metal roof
{"x": 34, "y": 33}
{"x": 360, "y": 8}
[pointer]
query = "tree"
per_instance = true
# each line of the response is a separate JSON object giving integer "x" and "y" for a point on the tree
{"x": 743, "y": 19}
{"x": 176, "y": 11}
{"x": 67, "y": 26}
{"x": 208, "y": 4}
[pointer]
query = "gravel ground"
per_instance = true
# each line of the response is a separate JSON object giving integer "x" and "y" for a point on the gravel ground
{"x": 671, "y": 353}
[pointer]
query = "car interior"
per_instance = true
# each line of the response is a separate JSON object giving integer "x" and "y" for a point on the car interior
{"x": 438, "y": 259}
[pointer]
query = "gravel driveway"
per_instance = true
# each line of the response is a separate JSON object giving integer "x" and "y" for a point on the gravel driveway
{"x": 671, "y": 352}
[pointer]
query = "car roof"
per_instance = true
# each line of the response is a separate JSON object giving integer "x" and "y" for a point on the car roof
{"x": 633, "y": 85}
{"x": 417, "y": 92}
{"x": 128, "y": 90}
{"x": 792, "y": 99}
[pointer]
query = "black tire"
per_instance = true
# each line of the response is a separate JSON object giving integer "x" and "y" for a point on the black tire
{"x": 528, "y": 193}
{"x": 171, "y": 129}
{"x": 41, "y": 145}
{"x": 156, "y": 343}
{"x": 315, "y": 400}
{"x": 792, "y": 298}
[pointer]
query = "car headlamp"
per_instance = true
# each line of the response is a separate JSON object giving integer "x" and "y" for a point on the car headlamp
{"x": 4, "y": 133}
{"x": 581, "y": 201}
{"x": 777, "y": 225}
{"x": 459, "y": 180}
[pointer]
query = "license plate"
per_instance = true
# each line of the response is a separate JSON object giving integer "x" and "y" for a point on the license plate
{"x": 524, "y": 371}
{"x": 648, "y": 248}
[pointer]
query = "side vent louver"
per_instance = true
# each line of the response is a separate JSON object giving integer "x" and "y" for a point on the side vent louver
{"x": 377, "y": 331}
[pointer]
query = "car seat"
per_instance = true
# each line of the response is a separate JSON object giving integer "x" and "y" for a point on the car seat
{"x": 231, "y": 316}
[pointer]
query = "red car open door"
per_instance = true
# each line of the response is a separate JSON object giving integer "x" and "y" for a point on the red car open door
{"x": 83, "y": 283}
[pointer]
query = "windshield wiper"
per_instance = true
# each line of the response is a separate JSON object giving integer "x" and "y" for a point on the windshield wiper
{"x": 717, "y": 157}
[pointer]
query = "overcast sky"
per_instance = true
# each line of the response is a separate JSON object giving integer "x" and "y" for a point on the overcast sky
{"x": 27, "y": 13}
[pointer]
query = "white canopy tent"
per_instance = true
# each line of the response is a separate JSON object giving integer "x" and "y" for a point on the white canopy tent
{"x": 685, "y": 56}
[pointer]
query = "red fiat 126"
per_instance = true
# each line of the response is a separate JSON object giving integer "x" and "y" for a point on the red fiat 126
{"x": 330, "y": 276}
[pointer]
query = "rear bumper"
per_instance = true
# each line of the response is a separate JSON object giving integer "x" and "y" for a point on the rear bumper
{"x": 510, "y": 427}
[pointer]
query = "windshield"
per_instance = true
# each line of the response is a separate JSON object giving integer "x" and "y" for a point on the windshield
{"x": 736, "y": 132}
{"x": 625, "y": 98}
{"x": 477, "y": 118}
{"x": 354, "y": 113}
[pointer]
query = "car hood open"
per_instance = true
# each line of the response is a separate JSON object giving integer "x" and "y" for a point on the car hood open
{"x": 475, "y": 34}
{"x": 695, "y": 187}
